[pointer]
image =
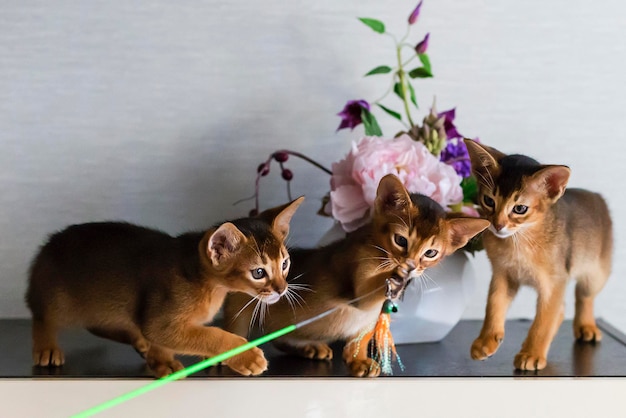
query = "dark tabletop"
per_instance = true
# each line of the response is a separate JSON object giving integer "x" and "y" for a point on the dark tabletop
{"x": 88, "y": 356}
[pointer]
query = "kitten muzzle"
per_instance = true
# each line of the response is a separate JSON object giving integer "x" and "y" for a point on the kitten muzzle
{"x": 272, "y": 298}
{"x": 502, "y": 232}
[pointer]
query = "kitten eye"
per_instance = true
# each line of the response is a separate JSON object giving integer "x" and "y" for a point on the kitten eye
{"x": 431, "y": 253}
{"x": 400, "y": 241}
{"x": 285, "y": 264}
{"x": 488, "y": 201}
{"x": 258, "y": 273}
{"x": 520, "y": 209}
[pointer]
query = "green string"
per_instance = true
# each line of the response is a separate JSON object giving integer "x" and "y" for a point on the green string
{"x": 186, "y": 371}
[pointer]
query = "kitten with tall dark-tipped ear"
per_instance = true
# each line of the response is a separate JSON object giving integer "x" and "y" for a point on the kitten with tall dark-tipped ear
{"x": 541, "y": 235}
{"x": 156, "y": 292}
{"x": 407, "y": 234}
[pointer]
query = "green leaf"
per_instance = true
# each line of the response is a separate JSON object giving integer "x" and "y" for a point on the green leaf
{"x": 470, "y": 189}
{"x": 391, "y": 112}
{"x": 370, "y": 123}
{"x": 376, "y": 25}
{"x": 413, "y": 97}
{"x": 425, "y": 62}
{"x": 398, "y": 90}
{"x": 420, "y": 72}
{"x": 382, "y": 69}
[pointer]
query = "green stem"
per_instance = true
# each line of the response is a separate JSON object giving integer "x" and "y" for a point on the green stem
{"x": 389, "y": 90}
{"x": 407, "y": 62}
{"x": 402, "y": 81}
{"x": 406, "y": 34}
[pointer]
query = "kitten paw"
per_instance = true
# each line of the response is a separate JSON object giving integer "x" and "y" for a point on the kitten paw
{"x": 316, "y": 351}
{"x": 164, "y": 368}
{"x": 161, "y": 361}
{"x": 251, "y": 362}
{"x": 48, "y": 357}
{"x": 142, "y": 347}
{"x": 529, "y": 361}
{"x": 364, "y": 368}
{"x": 484, "y": 347}
{"x": 587, "y": 333}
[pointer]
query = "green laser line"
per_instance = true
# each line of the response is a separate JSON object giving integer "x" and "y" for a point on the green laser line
{"x": 186, "y": 372}
{"x": 208, "y": 362}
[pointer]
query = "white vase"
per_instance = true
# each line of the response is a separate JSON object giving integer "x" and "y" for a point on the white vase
{"x": 428, "y": 311}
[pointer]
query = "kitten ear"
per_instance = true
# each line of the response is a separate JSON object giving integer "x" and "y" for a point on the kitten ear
{"x": 461, "y": 230}
{"x": 224, "y": 243}
{"x": 391, "y": 195}
{"x": 551, "y": 180}
{"x": 484, "y": 159}
{"x": 280, "y": 217}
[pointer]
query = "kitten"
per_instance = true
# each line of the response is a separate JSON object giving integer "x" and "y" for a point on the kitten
{"x": 145, "y": 288}
{"x": 541, "y": 235}
{"x": 406, "y": 235}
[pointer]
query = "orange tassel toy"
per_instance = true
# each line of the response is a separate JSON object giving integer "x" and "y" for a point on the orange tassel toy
{"x": 382, "y": 349}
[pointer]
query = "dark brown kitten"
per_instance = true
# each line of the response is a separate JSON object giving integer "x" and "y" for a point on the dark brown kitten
{"x": 407, "y": 235}
{"x": 541, "y": 236}
{"x": 145, "y": 288}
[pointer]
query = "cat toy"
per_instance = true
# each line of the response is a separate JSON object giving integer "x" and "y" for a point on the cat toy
{"x": 382, "y": 346}
{"x": 384, "y": 351}
{"x": 198, "y": 366}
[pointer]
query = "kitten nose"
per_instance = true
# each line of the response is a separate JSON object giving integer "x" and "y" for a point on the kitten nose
{"x": 410, "y": 264}
{"x": 498, "y": 227}
{"x": 281, "y": 289}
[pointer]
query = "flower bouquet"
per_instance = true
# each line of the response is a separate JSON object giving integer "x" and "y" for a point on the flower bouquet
{"x": 429, "y": 158}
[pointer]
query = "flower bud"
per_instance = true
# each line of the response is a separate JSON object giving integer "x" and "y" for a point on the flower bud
{"x": 281, "y": 156}
{"x": 415, "y": 14}
{"x": 287, "y": 174}
{"x": 263, "y": 169}
{"x": 422, "y": 46}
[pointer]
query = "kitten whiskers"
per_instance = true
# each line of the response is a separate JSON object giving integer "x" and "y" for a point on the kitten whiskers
{"x": 388, "y": 264}
{"x": 260, "y": 310}
{"x": 433, "y": 284}
{"x": 244, "y": 308}
{"x": 292, "y": 297}
{"x": 426, "y": 284}
{"x": 378, "y": 247}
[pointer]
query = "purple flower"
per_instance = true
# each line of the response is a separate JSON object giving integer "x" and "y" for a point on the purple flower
{"x": 422, "y": 45}
{"x": 456, "y": 155}
{"x": 448, "y": 124}
{"x": 351, "y": 114}
{"x": 413, "y": 17}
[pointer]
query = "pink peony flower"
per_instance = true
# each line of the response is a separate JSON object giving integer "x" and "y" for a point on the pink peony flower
{"x": 356, "y": 177}
{"x": 470, "y": 211}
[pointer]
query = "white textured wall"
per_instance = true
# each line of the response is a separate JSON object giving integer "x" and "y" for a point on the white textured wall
{"x": 158, "y": 112}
